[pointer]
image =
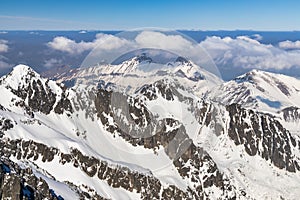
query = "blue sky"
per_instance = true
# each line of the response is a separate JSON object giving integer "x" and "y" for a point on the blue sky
{"x": 176, "y": 14}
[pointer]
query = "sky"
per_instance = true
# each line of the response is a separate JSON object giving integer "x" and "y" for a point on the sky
{"x": 176, "y": 14}
{"x": 272, "y": 45}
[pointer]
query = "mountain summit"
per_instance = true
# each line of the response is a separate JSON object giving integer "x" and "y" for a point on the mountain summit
{"x": 139, "y": 70}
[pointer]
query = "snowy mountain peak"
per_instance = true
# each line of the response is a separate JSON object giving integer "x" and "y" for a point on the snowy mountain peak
{"x": 23, "y": 70}
{"x": 19, "y": 76}
{"x": 143, "y": 58}
{"x": 257, "y": 76}
{"x": 89, "y": 142}
{"x": 26, "y": 88}
{"x": 130, "y": 65}
{"x": 262, "y": 80}
{"x": 141, "y": 70}
{"x": 250, "y": 76}
{"x": 264, "y": 91}
{"x": 182, "y": 60}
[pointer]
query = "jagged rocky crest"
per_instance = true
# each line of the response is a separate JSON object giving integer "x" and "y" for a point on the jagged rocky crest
{"x": 45, "y": 124}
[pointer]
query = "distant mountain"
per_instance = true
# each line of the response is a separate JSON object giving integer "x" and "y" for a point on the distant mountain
{"x": 56, "y": 71}
{"x": 29, "y": 47}
{"x": 142, "y": 130}
{"x": 267, "y": 92}
{"x": 139, "y": 70}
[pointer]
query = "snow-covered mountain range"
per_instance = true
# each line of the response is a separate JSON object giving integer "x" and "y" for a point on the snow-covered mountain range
{"x": 276, "y": 94}
{"x": 142, "y": 130}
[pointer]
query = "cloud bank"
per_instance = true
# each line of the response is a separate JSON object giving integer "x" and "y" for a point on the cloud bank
{"x": 72, "y": 47}
{"x": 107, "y": 48}
{"x": 247, "y": 53}
{"x": 243, "y": 52}
{"x": 52, "y": 62}
{"x": 289, "y": 44}
{"x": 107, "y": 42}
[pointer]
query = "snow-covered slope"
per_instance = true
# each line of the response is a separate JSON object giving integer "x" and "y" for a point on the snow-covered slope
{"x": 140, "y": 70}
{"x": 158, "y": 139}
{"x": 267, "y": 92}
{"x": 262, "y": 90}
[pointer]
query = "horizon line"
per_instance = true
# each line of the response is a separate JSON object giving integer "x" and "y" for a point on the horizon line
{"x": 92, "y": 30}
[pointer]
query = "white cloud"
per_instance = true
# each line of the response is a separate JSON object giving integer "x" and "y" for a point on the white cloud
{"x": 52, "y": 62}
{"x": 257, "y": 37}
{"x": 64, "y": 44}
{"x": 3, "y": 46}
{"x": 159, "y": 40}
{"x": 105, "y": 42}
{"x": 110, "y": 47}
{"x": 248, "y": 53}
{"x": 67, "y": 45}
{"x": 289, "y": 44}
{"x": 110, "y": 42}
{"x": 3, "y": 32}
{"x": 248, "y": 39}
{"x": 242, "y": 51}
{"x": 176, "y": 44}
{"x": 34, "y": 33}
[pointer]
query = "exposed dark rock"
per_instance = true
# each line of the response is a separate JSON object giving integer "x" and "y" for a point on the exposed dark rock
{"x": 20, "y": 183}
{"x": 283, "y": 88}
{"x": 63, "y": 104}
{"x": 291, "y": 114}
{"x": 265, "y": 137}
{"x": 5, "y": 124}
{"x": 181, "y": 59}
{"x": 143, "y": 58}
{"x": 187, "y": 158}
{"x": 116, "y": 176}
{"x": 40, "y": 97}
{"x": 259, "y": 134}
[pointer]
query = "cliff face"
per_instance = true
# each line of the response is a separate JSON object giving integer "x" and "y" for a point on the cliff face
{"x": 18, "y": 183}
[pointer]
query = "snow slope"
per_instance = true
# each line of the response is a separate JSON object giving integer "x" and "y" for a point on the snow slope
{"x": 267, "y": 92}
{"x": 136, "y": 72}
{"x": 82, "y": 140}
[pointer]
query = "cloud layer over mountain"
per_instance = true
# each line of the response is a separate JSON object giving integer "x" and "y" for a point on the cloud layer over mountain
{"x": 240, "y": 52}
{"x": 244, "y": 52}
{"x": 107, "y": 48}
